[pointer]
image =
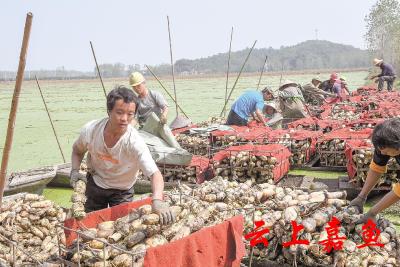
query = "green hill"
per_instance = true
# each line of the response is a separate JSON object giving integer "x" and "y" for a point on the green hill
{"x": 312, "y": 54}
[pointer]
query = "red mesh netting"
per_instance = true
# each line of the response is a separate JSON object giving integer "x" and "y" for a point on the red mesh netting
{"x": 328, "y": 125}
{"x": 364, "y": 123}
{"x": 182, "y": 130}
{"x": 304, "y": 122}
{"x": 351, "y": 146}
{"x": 235, "y": 131}
{"x": 305, "y": 134}
{"x": 254, "y": 133}
{"x": 347, "y": 133}
{"x": 202, "y": 165}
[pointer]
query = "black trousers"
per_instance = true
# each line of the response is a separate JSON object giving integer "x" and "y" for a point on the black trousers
{"x": 99, "y": 198}
{"x": 388, "y": 79}
{"x": 235, "y": 119}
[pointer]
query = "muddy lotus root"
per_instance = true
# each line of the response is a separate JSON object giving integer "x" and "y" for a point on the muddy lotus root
{"x": 332, "y": 152}
{"x": 78, "y": 200}
{"x": 30, "y": 221}
{"x": 197, "y": 145}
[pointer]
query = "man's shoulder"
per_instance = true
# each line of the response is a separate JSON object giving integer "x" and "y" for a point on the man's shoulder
{"x": 94, "y": 124}
{"x": 154, "y": 93}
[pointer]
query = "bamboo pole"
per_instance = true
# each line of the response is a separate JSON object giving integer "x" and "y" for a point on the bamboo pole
{"x": 237, "y": 78}
{"x": 165, "y": 89}
{"x": 51, "y": 121}
{"x": 227, "y": 71}
{"x": 98, "y": 70}
{"x": 280, "y": 80}
{"x": 172, "y": 67}
{"x": 262, "y": 71}
{"x": 14, "y": 104}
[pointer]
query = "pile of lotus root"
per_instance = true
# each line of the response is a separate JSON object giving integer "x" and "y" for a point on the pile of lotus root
{"x": 243, "y": 166}
{"x": 362, "y": 159}
{"x": 278, "y": 207}
{"x": 332, "y": 152}
{"x": 197, "y": 145}
{"x": 30, "y": 223}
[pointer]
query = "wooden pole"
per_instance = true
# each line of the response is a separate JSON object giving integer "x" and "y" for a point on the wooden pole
{"x": 14, "y": 104}
{"x": 237, "y": 78}
{"x": 280, "y": 80}
{"x": 262, "y": 71}
{"x": 51, "y": 121}
{"x": 165, "y": 89}
{"x": 172, "y": 67}
{"x": 227, "y": 71}
{"x": 98, "y": 70}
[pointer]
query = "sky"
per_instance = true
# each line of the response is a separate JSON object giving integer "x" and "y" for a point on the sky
{"x": 136, "y": 32}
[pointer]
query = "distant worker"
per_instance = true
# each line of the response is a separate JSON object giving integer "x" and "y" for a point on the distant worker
{"x": 115, "y": 154}
{"x": 148, "y": 101}
{"x": 291, "y": 101}
{"x": 343, "y": 83}
{"x": 312, "y": 94}
{"x": 388, "y": 74}
{"x": 327, "y": 85}
{"x": 251, "y": 103}
{"x": 274, "y": 116}
{"x": 386, "y": 141}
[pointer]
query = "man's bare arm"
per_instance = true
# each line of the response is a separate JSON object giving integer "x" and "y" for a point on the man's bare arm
{"x": 157, "y": 185}
{"x": 260, "y": 116}
{"x": 76, "y": 157}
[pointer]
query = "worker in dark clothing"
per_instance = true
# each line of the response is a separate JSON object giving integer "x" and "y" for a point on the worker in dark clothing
{"x": 388, "y": 74}
{"x": 386, "y": 140}
{"x": 327, "y": 85}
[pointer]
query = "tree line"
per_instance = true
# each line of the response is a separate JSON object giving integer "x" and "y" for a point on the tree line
{"x": 308, "y": 55}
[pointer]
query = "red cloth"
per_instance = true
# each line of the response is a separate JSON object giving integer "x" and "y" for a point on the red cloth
{"x": 219, "y": 245}
{"x": 202, "y": 165}
{"x": 254, "y": 133}
{"x": 184, "y": 129}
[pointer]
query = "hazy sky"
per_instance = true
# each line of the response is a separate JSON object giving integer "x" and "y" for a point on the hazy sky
{"x": 136, "y": 31}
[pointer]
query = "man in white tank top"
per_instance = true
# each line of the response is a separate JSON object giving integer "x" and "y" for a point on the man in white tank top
{"x": 115, "y": 155}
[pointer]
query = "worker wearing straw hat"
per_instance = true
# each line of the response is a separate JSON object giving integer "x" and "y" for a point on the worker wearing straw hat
{"x": 387, "y": 74}
{"x": 312, "y": 94}
{"x": 274, "y": 116}
{"x": 148, "y": 100}
{"x": 115, "y": 154}
{"x": 291, "y": 101}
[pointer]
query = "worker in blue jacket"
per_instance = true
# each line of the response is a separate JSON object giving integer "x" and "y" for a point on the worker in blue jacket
{"x": 251, "y": 103}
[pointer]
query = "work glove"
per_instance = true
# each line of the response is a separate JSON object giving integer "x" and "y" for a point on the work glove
{"x": 358, "y": 202}
{"x": 163, "y": 119}
{"x": 75, "y": 176}
{"x": 365, "y": 217}
{"x": 162, "y": 209}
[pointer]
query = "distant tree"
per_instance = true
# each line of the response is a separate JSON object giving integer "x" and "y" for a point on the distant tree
{"x": 383, "y": 31}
